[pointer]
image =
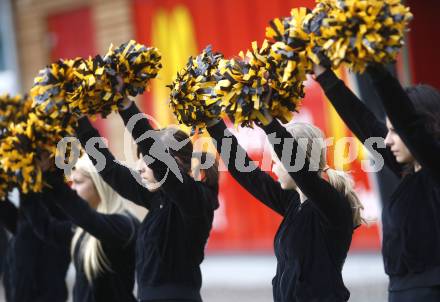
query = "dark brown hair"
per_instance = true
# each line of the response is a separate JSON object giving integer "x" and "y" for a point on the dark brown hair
{"x": 184, "y": 156}
{"x": 426, "y": 100}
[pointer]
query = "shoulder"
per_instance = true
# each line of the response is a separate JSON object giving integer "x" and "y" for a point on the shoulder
{"x": 208, "y": 194}
{"x": 126, "y": 219}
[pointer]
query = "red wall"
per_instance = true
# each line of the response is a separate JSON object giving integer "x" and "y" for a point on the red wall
{"x": 72, "y": 34}
{"x": 424, "y": 42}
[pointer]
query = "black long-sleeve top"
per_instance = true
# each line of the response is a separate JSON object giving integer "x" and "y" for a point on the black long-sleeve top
{"x": 411, "y": 227}
{"x": 172, "y": 237}
{"x": 3, "y": 247}
{"x": 34, "y": 271}
{"x": 313, "y": 239}
{"x": 116, "y": 233}
{"x": 8, "y": 215}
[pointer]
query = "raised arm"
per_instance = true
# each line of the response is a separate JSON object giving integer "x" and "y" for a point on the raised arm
{"x": 358, "y": 118}
{"x": 323, "y": 195}
{"x": 122, "y": 179}
{"x": 45, "y": 226}
{"x": 408, "y": 123}
{"x": 112, "y": 229}
{"x": 8, "y": 215}
{"x": 175, "y": 182}
{"x": 257, "y": 182}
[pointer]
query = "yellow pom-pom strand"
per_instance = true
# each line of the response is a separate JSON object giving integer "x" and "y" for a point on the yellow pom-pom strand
{"x": 193, "y": 99}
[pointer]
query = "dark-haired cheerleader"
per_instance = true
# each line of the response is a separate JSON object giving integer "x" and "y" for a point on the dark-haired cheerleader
{"x": 411, "y": 224}
{"x": 33, "y": 269}
{"x": 172, "y": 237}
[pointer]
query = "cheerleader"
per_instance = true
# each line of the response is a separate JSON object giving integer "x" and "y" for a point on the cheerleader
{"x": 319, "y": 209}
{"x": 410, "y": 219}
{"x": 32, "y": 269}
{"x": 103, "y": 243}
{"x": 172, "y": 237}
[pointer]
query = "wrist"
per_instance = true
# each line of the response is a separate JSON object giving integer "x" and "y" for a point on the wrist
{"x": 267, "y": 119}
{"x": 125, "y": 104}
{"x": 213, "y": 122}
{"x": 318, "y": 70}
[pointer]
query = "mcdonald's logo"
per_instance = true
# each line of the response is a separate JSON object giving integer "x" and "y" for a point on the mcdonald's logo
{"x": 173, "y": 33}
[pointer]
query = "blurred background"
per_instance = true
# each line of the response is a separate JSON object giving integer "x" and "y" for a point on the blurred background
{"x": 240, "y": 261}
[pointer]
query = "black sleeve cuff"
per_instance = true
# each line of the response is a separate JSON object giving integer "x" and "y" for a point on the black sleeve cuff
{"x": 54, "y": 178}
{"x": 273, "y": 127}
{"x": 328, "y": 80}
{"x": 377, "y": 72}
{"x": 84, "y": 126}
{"x": 129, "y": 112}
{"x": 217, "y": 130}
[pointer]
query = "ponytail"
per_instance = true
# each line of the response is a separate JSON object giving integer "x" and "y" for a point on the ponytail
{"x": 94, "y": 259}
{"x": 340, "y": 180}
{"x": 344, "y": 184}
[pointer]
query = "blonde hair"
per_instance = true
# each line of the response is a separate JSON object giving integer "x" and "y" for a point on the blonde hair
{"x": 94, "y": 259}
{"x": 340, "y": 180}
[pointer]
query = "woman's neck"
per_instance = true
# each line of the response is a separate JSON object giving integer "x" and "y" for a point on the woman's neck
{"x": 302, "y": 197}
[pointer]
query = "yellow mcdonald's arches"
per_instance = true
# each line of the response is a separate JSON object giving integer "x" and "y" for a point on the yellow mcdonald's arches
{"x": 173, "y": 33}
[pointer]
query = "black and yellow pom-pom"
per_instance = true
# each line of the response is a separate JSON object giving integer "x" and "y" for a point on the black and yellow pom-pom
{"x": 65, "y": 90}
{"x": 96, "y": 89}
{"x": 25, "y": 142}
{"x": 7, "y": 184}
{"x": 101, "y": 83}
{"x": 193, "y": 99}
{"x": 359, "y": 32}
{"x": 243, "y": 86}
{"x": 290, "y": 62}
{"x": 13, "y": 109}
{"x": 299, "y": 40}
{"x": 136, "y": 64}
{"x": 52, "y": 87}
{"x": 44, "y": 120}
{"x": 290, "y": 30}
{"x": 49, "y": 120}
{"x": 246, "y": 82}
